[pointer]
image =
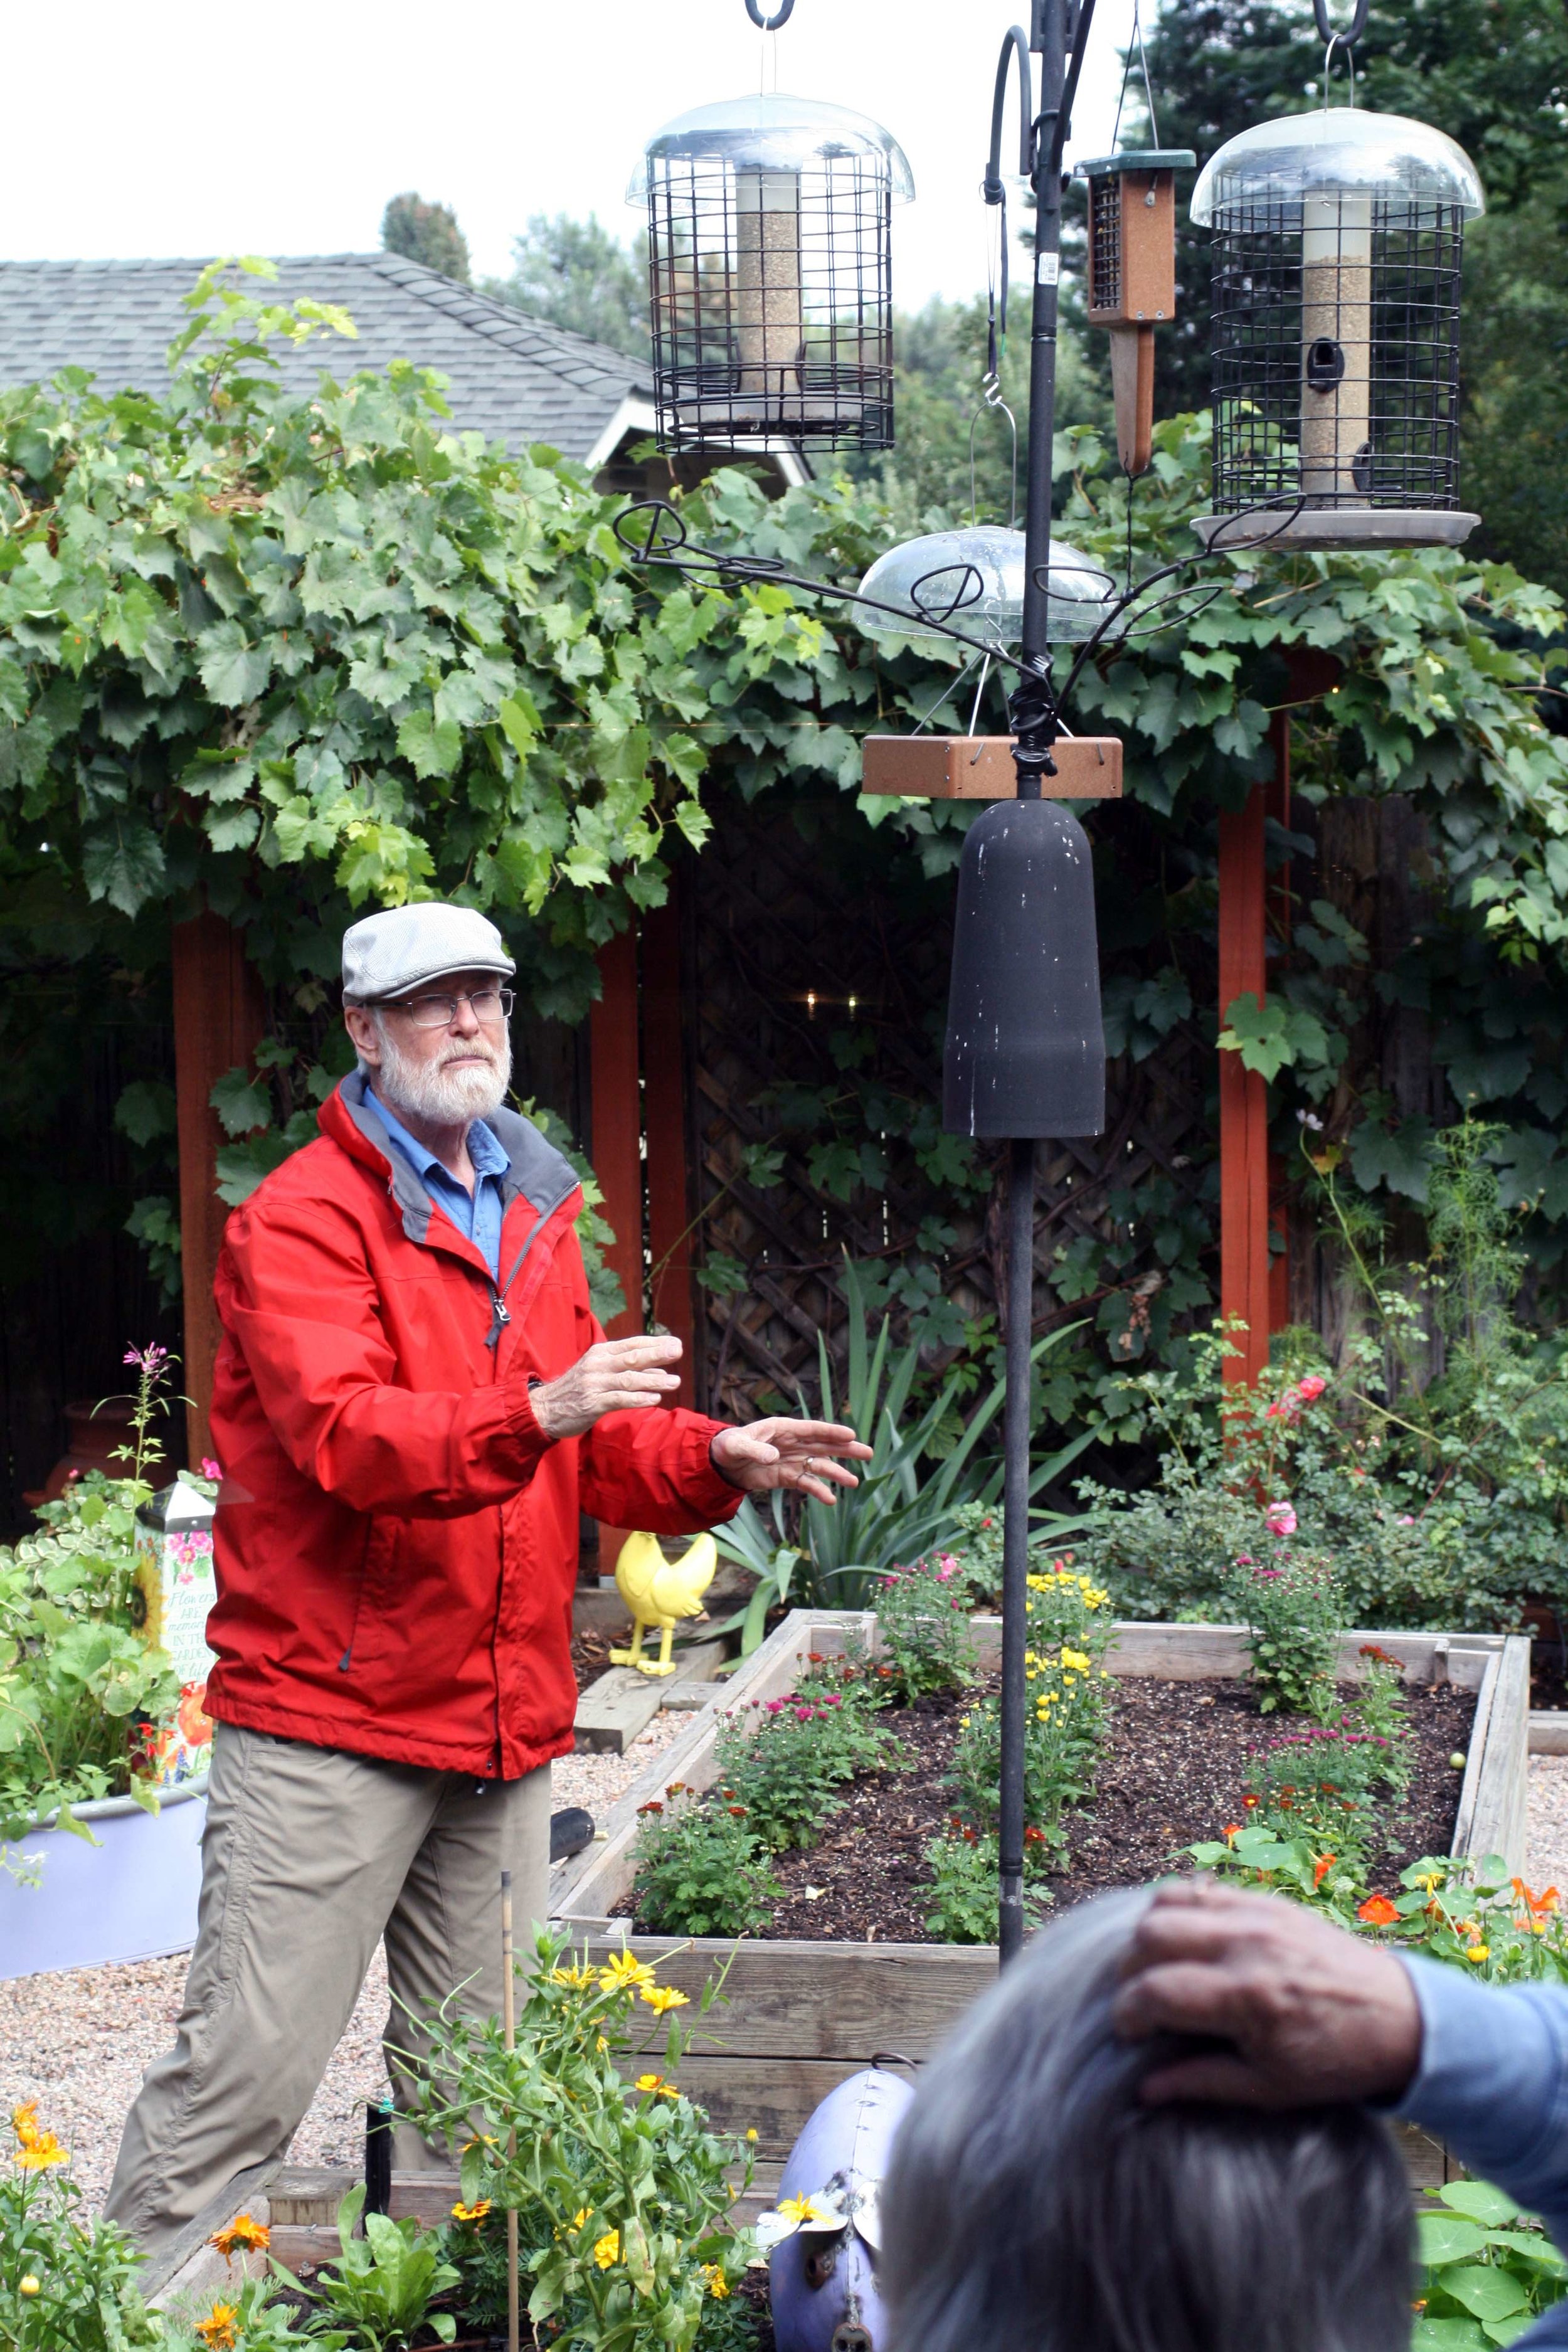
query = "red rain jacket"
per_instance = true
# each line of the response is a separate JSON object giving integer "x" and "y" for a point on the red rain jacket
{"x": 395, "y": 1536}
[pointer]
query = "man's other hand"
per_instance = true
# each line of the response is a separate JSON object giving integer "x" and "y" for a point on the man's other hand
{"x": 615, "y": 1376}
{"x": 1313, "y": 2013}
{"x": 807, "y": 1455}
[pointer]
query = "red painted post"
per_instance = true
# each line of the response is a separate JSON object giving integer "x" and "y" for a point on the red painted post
{"x": 220, "y": 1018}
{"x": 664, "y": 1116}
{"x": 1243, "y": 1095}
{"x": 1276, "y": 805}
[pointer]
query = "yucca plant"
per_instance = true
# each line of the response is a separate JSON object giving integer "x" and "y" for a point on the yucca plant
{"x": 905, "y": 1503}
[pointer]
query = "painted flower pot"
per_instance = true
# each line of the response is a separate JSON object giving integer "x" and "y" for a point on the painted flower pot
{"x": 133, "y": 1896}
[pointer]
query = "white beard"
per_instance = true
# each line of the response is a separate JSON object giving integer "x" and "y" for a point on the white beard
{"x": 432, "y": 1092}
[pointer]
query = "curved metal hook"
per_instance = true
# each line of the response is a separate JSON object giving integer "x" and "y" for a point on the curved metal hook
{"x": 780, "y": 16}
{"x": 665, "y": 534}
{"x": 1326, "y": 31}
{"x": 970, "y": 589}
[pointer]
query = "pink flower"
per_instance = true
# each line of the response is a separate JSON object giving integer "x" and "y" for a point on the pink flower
{"x": 209, "y": 1468}
{"x": 1281, "y": 1518}
{"x": 1311, "y": 1387}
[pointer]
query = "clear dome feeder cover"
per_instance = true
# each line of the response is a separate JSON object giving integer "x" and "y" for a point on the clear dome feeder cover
{"x": 973, "y": 580}
{"x": 1336, "y": 151}
{"x": 771, "y": 132}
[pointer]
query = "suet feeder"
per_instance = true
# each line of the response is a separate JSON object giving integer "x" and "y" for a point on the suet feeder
{"x": 1132, "y": 278}
{"x": 1337, "y": 241}
{"x": 768, "y": 222}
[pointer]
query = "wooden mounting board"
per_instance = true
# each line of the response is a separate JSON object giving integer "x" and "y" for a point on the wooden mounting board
{"x": 979, "y": 768}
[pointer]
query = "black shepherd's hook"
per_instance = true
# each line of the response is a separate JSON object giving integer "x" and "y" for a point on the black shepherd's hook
{"x": 1326, "y": 29}
{"x": 780, "y": 16}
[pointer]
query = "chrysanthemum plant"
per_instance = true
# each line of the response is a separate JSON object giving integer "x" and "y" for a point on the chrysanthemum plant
{"x": 622, "y": 2200}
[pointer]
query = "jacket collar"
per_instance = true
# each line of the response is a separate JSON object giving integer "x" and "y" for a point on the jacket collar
{"x": 543, "y": 1176}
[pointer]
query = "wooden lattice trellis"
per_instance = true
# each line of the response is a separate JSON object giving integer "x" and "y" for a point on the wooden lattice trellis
{"x": 793, "y": 933}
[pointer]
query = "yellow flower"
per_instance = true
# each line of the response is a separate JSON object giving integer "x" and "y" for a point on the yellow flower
{"x": 573, "y": 1976}
{"x": 217, "y": 2329}
{"x": 1477, "y": 1952}
{"x": 39, "y": 2149}
{"x": 600, "y": 2043}
{"x": 718, "y": 2284}
{"x": 580, "y": 2216}
{"x": 804, "y": 2210}
{"x": 752, "y": 2133}
{"x": 29, "y": 2285}
{"x": 657, "y": 2085}
{"x": 624, "y": 1971}
{"x": 607, "y": 2249}
{"x": 241, "y": 2236}
{"x": 482, "y": 2139}
{"x": 1075, "y": 1662}
{"x": 471, "y": 2212}
{"x": 662, "y": 1998}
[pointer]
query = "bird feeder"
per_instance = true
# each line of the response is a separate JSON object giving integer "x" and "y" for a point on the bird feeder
{"x": 973, "y": 580}
{"x": 1337, "y": 239}
{"x": 1132, "y": 278}
{"x": 768, "y": 223}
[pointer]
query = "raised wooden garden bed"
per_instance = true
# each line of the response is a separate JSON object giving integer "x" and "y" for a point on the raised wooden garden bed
{"x": 801, "y": 2016}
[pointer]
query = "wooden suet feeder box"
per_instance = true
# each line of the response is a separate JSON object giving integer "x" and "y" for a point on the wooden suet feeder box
{"x": 1337, "y": 239}
{"x": 1133, "y": 277}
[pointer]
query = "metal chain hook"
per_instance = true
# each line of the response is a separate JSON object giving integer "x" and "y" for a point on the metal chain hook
{"x": 781, "y": 15}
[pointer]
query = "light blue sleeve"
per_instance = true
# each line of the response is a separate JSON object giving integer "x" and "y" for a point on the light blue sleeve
{"x": 1493, "y": 2085}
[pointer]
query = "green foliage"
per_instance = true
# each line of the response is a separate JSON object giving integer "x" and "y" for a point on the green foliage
{"x": 378, "y": 2292}
{"x": 965, "y": 1887}
{"x": 782, "y": 1758}
{"x": 702, "y": 1870}
{"x": 577, "y": 275}
{"x": 1293, "y": 1611}
{"x": 67, "y": 2281}
{"x": 1489, "y": 2270}
{"x": 622, "y": 2200}
{"x": 1065, "y": 1722}
{"x": 427, "y": 233}
{"x": 922, "y": 1617}
{"x": 1333, "y": 1784}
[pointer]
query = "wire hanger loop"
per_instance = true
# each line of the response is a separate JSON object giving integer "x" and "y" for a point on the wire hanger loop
{"x": 781, "y": 15}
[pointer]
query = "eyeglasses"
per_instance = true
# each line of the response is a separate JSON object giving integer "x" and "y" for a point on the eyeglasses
{"x": 487, "y": 1004}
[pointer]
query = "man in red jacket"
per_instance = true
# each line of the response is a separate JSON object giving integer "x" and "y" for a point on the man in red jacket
{"x": 412, "y": 1403}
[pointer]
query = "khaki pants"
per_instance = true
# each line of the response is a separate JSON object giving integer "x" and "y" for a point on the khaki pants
{"x": 309, "y": 1857}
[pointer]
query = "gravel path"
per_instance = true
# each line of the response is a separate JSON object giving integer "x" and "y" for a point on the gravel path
{"x": 79, "y": 2041}
{"x": 1546, "y": 1839}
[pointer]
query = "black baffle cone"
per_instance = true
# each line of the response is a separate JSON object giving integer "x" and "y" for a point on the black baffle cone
{"x": 1026, "y": 1050}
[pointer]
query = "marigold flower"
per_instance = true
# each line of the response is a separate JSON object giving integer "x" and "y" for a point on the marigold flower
{"x": 607, "y": 2249}
{"x": 655, "y": 2085}
{"x": 242, "y": 2235}
{"x": 1377, "y": 1911}
{"x": 654, "y": 1805}
{"x": 625, "y": 1971}
{"x": 1252, "y": 1801}
{"x": 661, "y": 1998}
{"x": 218, "y": 2330}
{"x": 580, "y": 2216}
{"x": 751, "y": 2131}
{"x": 718, "y": 2284}
{"x": 1478, "y": 1953}
{"x": 471, "y": 2212}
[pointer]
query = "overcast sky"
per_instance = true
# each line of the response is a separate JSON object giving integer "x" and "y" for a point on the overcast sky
{"x": 179, "y": 127}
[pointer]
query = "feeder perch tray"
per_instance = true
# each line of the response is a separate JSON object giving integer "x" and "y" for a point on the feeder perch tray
{"x": 1351, "y": 529}
{"x": 979, "y": 768}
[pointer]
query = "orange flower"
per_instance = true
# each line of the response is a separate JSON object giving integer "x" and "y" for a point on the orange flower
{"x": 1321, "y": 1868}
{"x": 217, "y": 2329}
{"x": 37, "y": 2149}
{"x": 243, "y": 2235}
{"x": 1536, "y": 1905}
{"x": 1377, "y": 1911}
{"x": 1250, "y": 1801}
{"x": 1231, "y": 1831}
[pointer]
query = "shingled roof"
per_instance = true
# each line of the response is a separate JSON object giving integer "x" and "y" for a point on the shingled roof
{"x": 513, "y": 378}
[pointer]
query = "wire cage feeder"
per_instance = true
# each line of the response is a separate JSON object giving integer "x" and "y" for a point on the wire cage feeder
{"x": 1337, "y": 240}
{"x": 770, "y": 275}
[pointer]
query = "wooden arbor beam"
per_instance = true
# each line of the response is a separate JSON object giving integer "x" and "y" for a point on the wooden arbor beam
{"x": 220, "y": 1018}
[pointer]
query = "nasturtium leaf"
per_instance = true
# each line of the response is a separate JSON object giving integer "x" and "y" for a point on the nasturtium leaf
{"x": 1448, "y": 2238}
{"x": 1505, "y": 2331}
{"x": 1485, "y": 2289}
{"x": 1479, "y": 2200}
{"x": 1448, "y": 2336}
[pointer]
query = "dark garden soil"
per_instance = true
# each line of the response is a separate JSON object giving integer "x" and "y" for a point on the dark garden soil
{"x": 1172, "y": 1773}
{"x": 591, "y": 1653}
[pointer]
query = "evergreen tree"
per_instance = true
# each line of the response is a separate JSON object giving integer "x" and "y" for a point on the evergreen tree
{"x": 427, "y": 233}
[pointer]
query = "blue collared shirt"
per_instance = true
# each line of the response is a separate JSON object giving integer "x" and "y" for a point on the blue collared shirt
{"x": 477, "y": 1213}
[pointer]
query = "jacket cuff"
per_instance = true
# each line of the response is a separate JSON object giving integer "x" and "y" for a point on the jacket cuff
{"x": 532, "y": 1441}
{"x": 716, "y": 1497}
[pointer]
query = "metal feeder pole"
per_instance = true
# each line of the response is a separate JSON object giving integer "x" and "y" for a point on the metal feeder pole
{"x": 1058, "y": 26}
{"x": 509, "y": 2032}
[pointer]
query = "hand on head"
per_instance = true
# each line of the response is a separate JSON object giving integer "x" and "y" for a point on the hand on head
{"x": 1313, "y": 2014}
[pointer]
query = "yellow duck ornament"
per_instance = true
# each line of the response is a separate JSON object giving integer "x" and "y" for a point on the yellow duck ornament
{"x": 660, "y": 1591}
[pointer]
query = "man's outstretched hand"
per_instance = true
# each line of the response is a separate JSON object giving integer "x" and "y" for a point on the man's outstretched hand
{"x": 807, "y": 1455}
{"x": 1314, "y": 2014}
{"x": 615, "y": 1376}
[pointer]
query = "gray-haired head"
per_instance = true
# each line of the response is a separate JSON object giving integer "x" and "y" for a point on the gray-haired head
{"x": 1033, "y": 2203}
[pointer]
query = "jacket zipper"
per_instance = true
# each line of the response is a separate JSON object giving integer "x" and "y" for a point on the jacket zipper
{"x": 499, "y": 1318}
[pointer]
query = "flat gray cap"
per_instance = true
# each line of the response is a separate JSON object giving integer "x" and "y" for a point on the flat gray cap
{"x": 389, "y": 954}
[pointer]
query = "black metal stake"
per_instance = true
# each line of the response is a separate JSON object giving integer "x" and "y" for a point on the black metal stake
{"x": 1016, "y": 1536}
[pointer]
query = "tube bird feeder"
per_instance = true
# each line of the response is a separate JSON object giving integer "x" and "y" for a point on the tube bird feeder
{"x": 1132, "y": 278}
{"x": 1337, "y": 239}
{"x": 770, "y": 275}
